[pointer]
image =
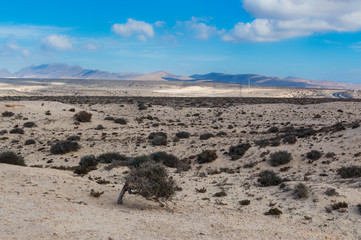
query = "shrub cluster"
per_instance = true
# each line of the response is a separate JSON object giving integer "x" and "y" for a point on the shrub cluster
{"x": 73, "y": 138}
{"x": 112, "y": 157}
{"x": 121, "y": 121}
{"x": 88, "y": 161}
{"x": 236, "y": 152}
{"x": 10, "y": 157}
{"x": 280, "y": 158}
{"x": 350, "y": 172}
{"x": 206, "y": 136}
{"x": 62, "y": 147}
{"x": 7, "y": 114}
{"x": 269, "y": 178}
{"x": 29, "y": 142}
{"x": 314, "y": 155}
{"x": 17, "y": 131}
{"x": 183, "y": 134}
{"x": 83, "y": 116}
{"x": 207, "y": 156}
{"x": 29, "y": 124}
{"x": 301, "y": 191}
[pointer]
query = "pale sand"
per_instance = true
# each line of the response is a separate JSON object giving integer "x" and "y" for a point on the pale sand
{"x": 49, "y": 204}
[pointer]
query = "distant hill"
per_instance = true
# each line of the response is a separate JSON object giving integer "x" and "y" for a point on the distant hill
{"x": 5, "y": 73}
{"x": 257, "y": 80}
{"x": 64, "y": 71}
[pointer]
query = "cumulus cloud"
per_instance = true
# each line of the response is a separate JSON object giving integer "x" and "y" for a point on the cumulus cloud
{"x": 282, "y": 19}
{"x": 57, "y": 42}
{"x": 201, "y": 30}
{"x": 11, "y": 47}
{"x": 132, "y": 27}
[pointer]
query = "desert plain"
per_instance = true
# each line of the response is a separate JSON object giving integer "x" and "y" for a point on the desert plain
{"x": 222, "y": 199}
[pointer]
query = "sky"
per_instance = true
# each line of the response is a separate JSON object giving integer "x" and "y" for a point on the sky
{"x": 312, "y": 39}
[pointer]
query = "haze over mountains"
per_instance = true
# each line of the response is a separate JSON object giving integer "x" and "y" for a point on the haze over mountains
{"x": 64, "y": 71}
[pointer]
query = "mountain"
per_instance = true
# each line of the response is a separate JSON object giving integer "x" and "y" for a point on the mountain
{"x": 5, "y": 73}
{"x": 160, "y": 76}
{"x": 259, "y": 80}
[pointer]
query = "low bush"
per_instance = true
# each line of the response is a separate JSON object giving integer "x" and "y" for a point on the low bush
{"x": 139, "y": 160}
{"x": 29, "y": 142}
{"x": 88, "y": 161}
{"x": 83, "y": 116}
{"x": 274, "y": 212}
{"x": 150, "y": 180}
{"x": 108, "y": 118}
{"x": 273, "y": 130}
{"x": 269, "y": 178}
{"x": 10, "y": 157}
{"x": 17, "y": 131}
{"x": 62, "y": 147}
{"x": 337, "y": 206}
{"x": 301, "y": 191}
{"x": 206, "y": 136}
{"x": 168, "y": 160}
{"x": 7, "y": 114}
{"x": 245, "y": 202}
{"x": 155, "y": 134}
{"x": 29, "y": 124}
{"x": 350, "y": 172}
{"x": 112, "y": 157}
{"x": 183, "y": 134}
{"x": 73, "y": 138}
{"x": 159, "y": 141}
{"x": 280, "y": 158}
{"x": 121, "y": 121}
{"x": 207, "y": 156}
{"x": 236, "y": 152}
{"x": 314, "y": 155}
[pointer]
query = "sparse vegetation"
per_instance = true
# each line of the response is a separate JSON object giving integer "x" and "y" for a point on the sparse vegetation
{"x": 29, "y": 124}
{"x": 159, "y": 141}
{"x": 301, "y": 191}
{"x": 10, "y": 157}
{"x": 150, "y": 180}
{"x": 168, "y": 160}
{"x": 88, "y": 161}
{"x": 269, "y": 178}
{"x": 7, "y": 114}
{"x": 236, "y": 152}
{"x": 121, "y": 121}
{"x": 183, "y": 134}
{"x": 62, "y": 147}
{"x": 83, "y": 116}
{"x": 112, "y": 157}
{"x": 206, "y": 136}
{"x": 73, "y": 138}
{"x": 137, "y": 161}
{"x": 338, "y": 205}
{"x": 314, "y": 155}
{"x": 280, "y": 158}
{"x": 207, "y": 156}
{"x": 245, "y": 202}
{"x": 17, "y": 131}
{"x": 220, "y": 194}
{"x": 350, "y": 172}
{"x": 29, "y": 142}
{"x": 274, "y": 212}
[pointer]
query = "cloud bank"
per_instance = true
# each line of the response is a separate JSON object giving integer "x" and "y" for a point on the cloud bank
{"x": 277, "y": 20}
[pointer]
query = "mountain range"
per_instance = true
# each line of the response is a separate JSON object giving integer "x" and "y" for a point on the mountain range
{"x": 64, "y": 71}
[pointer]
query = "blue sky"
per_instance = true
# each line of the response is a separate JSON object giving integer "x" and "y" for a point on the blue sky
{"x": 319, "y": 40}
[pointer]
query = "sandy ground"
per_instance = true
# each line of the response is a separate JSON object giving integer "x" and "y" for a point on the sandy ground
{"x": 43, "y": 203}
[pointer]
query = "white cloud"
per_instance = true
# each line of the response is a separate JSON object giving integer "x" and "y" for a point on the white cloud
{"x": 282, "y": 19}
{"x": 201, "y": 30}
{"x": 11, "y": 47}
{"x": 27, "y": 31}
{"x": 140, "y": 29}
{"x": 91, "y": 47}
{"x": 159, "y": 23}
{"x": 57, "y": 42}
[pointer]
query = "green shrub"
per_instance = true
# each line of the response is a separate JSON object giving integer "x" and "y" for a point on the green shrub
{"x": 301, "y": 191}
{"x": 183, "y": 134}
{"x": 121, "y": 121}
{"x": 29, "y": 124}
{"x": 274, "y": 212}
{"x": 350, "y": 172}
{"x": 137, "y": 161}
{"x": 73, "y": 138}
{"x": 88, "y": 161}
{"x": 29, "y": 142}
{"x": 159, "y": 141}
{"x": 314, "y": 155}
{"x": 280, "y": 158}
{"x": 207, "y": 156}
{"x": 83, "y": 116}
{"x": 17, "y": 131}
{"x": 150, "y": 180}
{"x": 206, "y": 136}
{"x": 236, "y": 152}
{"x": 168, "y": 160}
{"x": 62, "y": 147}
{"x": 112, "y": 157}
{"x": 10, "y": 157}
{"x": 269, "y": 178}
